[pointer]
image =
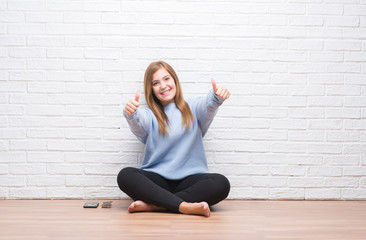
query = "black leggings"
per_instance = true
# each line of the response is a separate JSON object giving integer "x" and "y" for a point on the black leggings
{"x": 169, "y": 194}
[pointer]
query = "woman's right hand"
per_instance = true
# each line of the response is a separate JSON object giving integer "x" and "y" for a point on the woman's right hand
{"x": 133, "y": 104}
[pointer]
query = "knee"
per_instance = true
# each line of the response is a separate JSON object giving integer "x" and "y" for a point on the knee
{"x": 223, "y": 184}
{"x": 124, "y": 177}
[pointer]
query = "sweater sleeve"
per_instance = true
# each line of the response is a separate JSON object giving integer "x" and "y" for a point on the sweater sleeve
{"x": 206, "y": 109}
{"x": 139, "y": 123}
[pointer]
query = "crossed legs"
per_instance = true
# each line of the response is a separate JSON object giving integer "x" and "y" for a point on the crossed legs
{"x": 191, "y": 195}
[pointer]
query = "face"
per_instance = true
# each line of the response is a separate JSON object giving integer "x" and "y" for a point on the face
{"x": 163, "y": 86}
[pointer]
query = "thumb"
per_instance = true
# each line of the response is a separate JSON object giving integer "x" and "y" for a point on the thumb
{"x": 137, "y": 97}
{"x": 214, "y": 85}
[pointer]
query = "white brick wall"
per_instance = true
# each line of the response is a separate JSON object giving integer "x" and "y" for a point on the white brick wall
{"x": 294, "y": 128}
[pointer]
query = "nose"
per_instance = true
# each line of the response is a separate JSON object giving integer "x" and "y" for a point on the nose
{"x": 163, "y": 85}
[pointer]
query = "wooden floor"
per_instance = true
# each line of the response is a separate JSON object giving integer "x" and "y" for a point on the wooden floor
{"x": 230, "y": 219}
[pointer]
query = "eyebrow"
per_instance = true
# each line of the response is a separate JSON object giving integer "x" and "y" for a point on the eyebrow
{"x": 163, "y": 78}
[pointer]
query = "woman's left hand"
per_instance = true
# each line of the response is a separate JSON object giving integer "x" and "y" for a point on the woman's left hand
{"x": 222, "y": 92}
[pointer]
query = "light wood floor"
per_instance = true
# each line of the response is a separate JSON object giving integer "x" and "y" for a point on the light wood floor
{"x": 230, "y": 219}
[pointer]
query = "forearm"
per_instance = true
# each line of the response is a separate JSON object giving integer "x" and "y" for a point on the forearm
{"x": 137, "y": 124}
{"x": 207, "y": 109}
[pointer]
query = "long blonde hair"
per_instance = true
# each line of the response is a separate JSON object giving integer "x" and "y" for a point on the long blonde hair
{"x": 154, "y": 103}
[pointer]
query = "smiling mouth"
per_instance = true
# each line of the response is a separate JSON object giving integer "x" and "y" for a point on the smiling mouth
{"x": 165, "y": 92}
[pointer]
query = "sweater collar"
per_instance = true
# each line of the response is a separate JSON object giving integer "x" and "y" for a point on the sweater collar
{"x": 170, "y": 106}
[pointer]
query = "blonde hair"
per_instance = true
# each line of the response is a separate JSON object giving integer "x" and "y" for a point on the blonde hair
{"x": 154, "y": 103}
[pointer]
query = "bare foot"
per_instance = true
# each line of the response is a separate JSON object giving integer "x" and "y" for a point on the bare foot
{"x": 200, "y": 208}
{"x": 140, "y": 206}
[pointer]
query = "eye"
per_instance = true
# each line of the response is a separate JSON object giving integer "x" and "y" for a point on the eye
{"x": 166, "y": 79}
{"x": 155, "y": 83}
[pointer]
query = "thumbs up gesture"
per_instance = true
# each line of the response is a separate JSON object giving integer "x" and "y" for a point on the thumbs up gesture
{"x": 133, "y": 104}
{"x": 222, "y": 92}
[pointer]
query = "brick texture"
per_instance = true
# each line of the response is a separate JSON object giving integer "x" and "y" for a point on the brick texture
{"x": 294, "y": 127}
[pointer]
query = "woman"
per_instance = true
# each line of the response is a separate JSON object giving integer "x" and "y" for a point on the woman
{"x": 174, "y": 174}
